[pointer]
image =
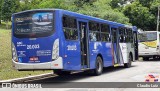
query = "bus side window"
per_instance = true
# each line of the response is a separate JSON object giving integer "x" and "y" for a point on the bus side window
{"x": 70, "y": 28}
{"x": 105, "y": 33}
{"x": 121, "y": 35}
{"x": 94, "y": 29}
{"x": 131, "y": 36}
{"x": 125, "y": 36}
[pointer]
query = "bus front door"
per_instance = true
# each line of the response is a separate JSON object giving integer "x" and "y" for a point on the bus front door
{"x": 115, "y": 46}
{"x": 135, "y": 44}
{"x": 83, "y": 33}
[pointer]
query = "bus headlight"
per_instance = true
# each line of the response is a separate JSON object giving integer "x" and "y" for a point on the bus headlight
{"x": 55, "y": 50}
{"x": 14, "y": 53}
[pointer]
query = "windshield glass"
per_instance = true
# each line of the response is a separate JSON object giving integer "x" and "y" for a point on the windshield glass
{"x": 34, "y": 24}
{"x": 149, "y": 36}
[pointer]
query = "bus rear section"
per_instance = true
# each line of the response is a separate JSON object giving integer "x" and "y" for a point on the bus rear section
{"x": 35, "y": 44}
{"x": 149, "y": 45}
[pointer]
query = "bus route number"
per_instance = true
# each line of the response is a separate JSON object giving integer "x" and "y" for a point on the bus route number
{"x": 33, "y": 46}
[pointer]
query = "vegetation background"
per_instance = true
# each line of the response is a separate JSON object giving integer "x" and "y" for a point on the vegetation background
{"x": 140, "y": 13}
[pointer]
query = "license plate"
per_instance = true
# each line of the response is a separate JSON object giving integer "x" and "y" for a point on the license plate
{"x": 33, "y": 58}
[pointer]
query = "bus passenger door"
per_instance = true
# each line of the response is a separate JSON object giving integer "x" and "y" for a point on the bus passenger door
{"x": 115, "y": 46}
{"x": 83, "y": 33}
{"x": 135, "y": 44}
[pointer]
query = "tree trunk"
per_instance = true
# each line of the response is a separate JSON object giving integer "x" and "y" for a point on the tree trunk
{"x": 7, "y": 26}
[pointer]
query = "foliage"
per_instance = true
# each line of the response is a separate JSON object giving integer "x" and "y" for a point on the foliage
{"x": 139, "y": 15}
{"x": 143, "y": 13}
{"x": 117, "y": 3}
{"x": 102, "y": 9}
{"x": 97, "y": 8}
{"x": 6, "y": 9}
{"x": 1, "y": 1}
{"x": 25, "y": 5}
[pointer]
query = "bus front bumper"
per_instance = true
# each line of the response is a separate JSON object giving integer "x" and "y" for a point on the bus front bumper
{"x": 148, "y": 54}
{"x": 56, "y": 64}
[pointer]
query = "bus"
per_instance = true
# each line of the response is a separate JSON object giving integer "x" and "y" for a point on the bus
{"x": 65, "y": 42}
{"x": 149, "y": 44}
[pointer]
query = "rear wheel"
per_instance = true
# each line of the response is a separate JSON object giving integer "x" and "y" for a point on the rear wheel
{"x": 62, "y": 73}
{"x": 99, "y": 66}
{"x": 145, "y": 58}
{"x": 127, "y": 65}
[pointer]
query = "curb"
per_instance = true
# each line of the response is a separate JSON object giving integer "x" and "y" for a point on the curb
{"x": 29, "y": 78}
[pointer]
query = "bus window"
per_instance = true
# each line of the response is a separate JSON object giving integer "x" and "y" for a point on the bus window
{"x": 105, "y": 32}
{"x": 121, "y": 35}
{"x": 70, "y": 28}
{"x": 33, "y": 24}
{"x": 130, "y": 35}
{"x": 94, "y": 31}
{"x": 125, "y": 36}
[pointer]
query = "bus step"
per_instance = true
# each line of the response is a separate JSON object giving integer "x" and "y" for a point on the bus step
{"x": 116, "y": 65}
{"x": 85, "y": 69}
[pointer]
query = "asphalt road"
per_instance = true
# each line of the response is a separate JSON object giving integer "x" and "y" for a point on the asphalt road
{"x": 137, "y": 73}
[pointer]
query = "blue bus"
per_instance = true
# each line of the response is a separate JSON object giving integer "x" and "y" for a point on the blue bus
{"x": 65, "y": 41}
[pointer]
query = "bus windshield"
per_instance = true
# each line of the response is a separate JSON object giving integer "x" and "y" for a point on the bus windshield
{"x": 149, "y": 36}
{"x": 33, "y": 24}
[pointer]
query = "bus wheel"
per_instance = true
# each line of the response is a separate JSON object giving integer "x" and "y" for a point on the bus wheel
{"x": 99, "y": 66}
{"x": 62, "y": 73}
{"x": 127, "y": 65}
{"x": 145, "y": 58}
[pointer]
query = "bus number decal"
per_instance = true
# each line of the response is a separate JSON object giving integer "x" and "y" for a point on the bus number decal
{"x": 36, "y": 46}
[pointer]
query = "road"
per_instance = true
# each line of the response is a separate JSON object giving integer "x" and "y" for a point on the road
{"x": 137, "y": 73}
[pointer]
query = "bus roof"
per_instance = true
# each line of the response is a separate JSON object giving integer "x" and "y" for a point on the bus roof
{"x": 85, "y": 17}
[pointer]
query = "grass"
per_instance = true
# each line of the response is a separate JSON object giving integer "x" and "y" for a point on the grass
{"x": 3, "y": 25}
{"x": 6, "y": 69}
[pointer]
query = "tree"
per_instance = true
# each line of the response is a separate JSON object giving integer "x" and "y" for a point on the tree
{"x": 8, "y": 8}
{"x": 117, "y": 3}
{"x": 146, "y": 3}
{"x": 25, "y": 5}
{"x": 15, "y": 6}
{"x": 7, "y": 11}
{"x": 102, "y": 9}
{"x": 140, "y": 16}
{"x": 36, "y": 4}
{"x": 1, "y": 1}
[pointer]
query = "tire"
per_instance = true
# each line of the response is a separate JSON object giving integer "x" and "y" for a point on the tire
{"x": 128, "y": 65}
{"x": 155, "y": 57}
{"x": 62, "y": 73}
{"x": 145, "y": 58}
{"x": 99, "y": 66}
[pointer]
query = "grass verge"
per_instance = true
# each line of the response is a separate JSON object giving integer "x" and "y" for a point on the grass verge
{"x": 6, "y": 69}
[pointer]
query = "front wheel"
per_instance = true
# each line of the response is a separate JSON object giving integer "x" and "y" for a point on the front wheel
{"x": 127, "y": 65}
{"x": 99, "y": 66}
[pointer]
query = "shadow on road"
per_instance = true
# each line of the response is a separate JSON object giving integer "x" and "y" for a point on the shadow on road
{"x": 152, "y": 60}
{"x": 77, "y": 76}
